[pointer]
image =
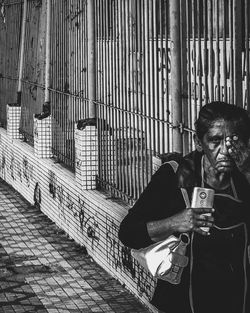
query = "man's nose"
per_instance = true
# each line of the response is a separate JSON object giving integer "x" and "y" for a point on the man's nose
{"x": 224, "y": 149}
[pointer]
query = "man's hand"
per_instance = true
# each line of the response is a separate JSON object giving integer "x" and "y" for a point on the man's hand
{"x": 192, "y": 219}
{"x": 240, "y": 153}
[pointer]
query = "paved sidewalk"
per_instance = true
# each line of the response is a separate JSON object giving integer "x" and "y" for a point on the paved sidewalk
{"x": 41, "y": 270}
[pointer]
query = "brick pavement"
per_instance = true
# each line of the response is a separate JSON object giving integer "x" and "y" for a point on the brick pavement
{"x": 42, "y": 270}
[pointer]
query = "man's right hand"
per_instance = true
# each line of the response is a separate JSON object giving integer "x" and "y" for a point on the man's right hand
{"x": 192, "y": 219}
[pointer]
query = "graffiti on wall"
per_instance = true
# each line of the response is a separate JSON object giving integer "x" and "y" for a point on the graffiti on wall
{"x": 10, "y": 164}
{"x": 3, "y": 161}
{"x": 119, "y": 257}
{"x": 145, "y": 284}
{"x": 28, "y": 170}
{"x": 69, "y": 207}
{"x": 81, "y": 214}
{"x": 37, "y": 197}
{"x": 52, "y": 184}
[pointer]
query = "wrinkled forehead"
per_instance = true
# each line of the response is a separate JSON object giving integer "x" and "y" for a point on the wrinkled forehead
{"x": 223, "y": 128}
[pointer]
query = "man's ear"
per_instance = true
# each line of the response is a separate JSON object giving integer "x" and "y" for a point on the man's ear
{"x": 198, "y": 144}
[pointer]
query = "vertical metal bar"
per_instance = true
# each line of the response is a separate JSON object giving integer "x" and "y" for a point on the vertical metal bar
{"x": 91, "y": 58}
{"x": 63, "y": 98}
{"x": 112, "y": 88}
{"x": 109, "y": 84}
{"x": 47, "y": 52}
{"x": 134, "y": 107}
{"x": 205, "y": 64}
{"x": 121, "y": 153}
{"x": 154, "y": 71}
{"x": 167, "y": 127}
{"x": 247, "y": 78}
{"x": 52, "y": 44}
{"x": 147, "y": 79}
{"x": 200, "y": 71}
{"x": 188, "y": 13}
{"x": 225, "y": 25}
{"x": 105, "y": 86}
{"x": 108, "y": 102}
{"x": 143, "y": 95}
{"x": 21, "y": 58}
{"x": 211, "y": 59}
{"x": 217, "y": 51}
{"x": 194, "y": 30}
{"x": 186, "y": 136}
{"x": 86, "y": 58}
{"x": 160, "y": 88}
{"x": 124, "y": 115}
{"x": 231, "y": 45}
{"x": 237, "y": 52}
{"x": 59, "y": 74}
{"x": 80, "y": 103}
{"x": 140, "y": 131}
{"x": 176, "y": 73}
{"x": 116, "y": 94}
{"x": 128, "y": 102}
{"x": 56, "y": 105}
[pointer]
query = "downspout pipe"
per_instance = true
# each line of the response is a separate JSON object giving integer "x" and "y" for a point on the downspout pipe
{"x": 21, "y": 54}
{"x": 175, "y": 83}
{"x": 91, "y": 71}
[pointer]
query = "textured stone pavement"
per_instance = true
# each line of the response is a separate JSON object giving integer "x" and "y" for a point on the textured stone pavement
{"x": 42, "y": 270}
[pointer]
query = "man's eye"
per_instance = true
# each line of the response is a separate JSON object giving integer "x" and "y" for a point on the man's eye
{"x": 215, "y": 140}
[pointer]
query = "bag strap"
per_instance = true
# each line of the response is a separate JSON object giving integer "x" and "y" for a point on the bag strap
{"x": 175, "y": 166}
{"x": 186, "y": 197}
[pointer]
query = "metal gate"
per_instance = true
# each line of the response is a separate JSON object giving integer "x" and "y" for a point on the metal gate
{"x": 10, "y": 23}
{"x": 139, "y": 116}
{"x": 68, "y": 92}
{"x": 157, "y": 62}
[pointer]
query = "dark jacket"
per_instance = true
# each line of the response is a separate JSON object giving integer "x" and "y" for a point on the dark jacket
{"x": 162, "y": 198}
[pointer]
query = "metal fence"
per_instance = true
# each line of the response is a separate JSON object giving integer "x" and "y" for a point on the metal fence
{"x": 132, "y": 91}
{"x": 139, "y": 116}
{"x": 68, "y": 92}
{"x": 10, "y": 23}
{"x": 217, "y": 52}
{"x": 135, "y": 69}
{"x": 32, "y": 90}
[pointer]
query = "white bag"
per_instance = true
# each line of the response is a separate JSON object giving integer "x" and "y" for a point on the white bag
{"x": 166, "y": 259}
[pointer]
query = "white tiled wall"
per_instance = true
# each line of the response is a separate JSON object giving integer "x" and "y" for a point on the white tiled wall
{"x": 88, "y": 216}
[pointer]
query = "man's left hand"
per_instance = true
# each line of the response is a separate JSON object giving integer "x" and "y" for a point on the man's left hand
{"x": 239, "y": 152}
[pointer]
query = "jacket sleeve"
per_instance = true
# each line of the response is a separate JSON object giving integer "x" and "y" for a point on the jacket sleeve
{"x": 157, "y": 201}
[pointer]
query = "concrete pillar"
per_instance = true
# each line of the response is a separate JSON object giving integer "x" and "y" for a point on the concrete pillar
{"x": 86, "y": 157}
{"x": 43, "y": 137}
{"x": 13, "y": 120}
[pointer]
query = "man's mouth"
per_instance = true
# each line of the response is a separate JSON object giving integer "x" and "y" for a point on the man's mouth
{"x": 224, "y": 163}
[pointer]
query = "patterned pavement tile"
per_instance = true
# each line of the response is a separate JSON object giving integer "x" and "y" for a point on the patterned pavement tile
{"x": 42, "y": 270}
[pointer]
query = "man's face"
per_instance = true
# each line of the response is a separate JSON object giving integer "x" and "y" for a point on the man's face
{"x": 214, "y": 147}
